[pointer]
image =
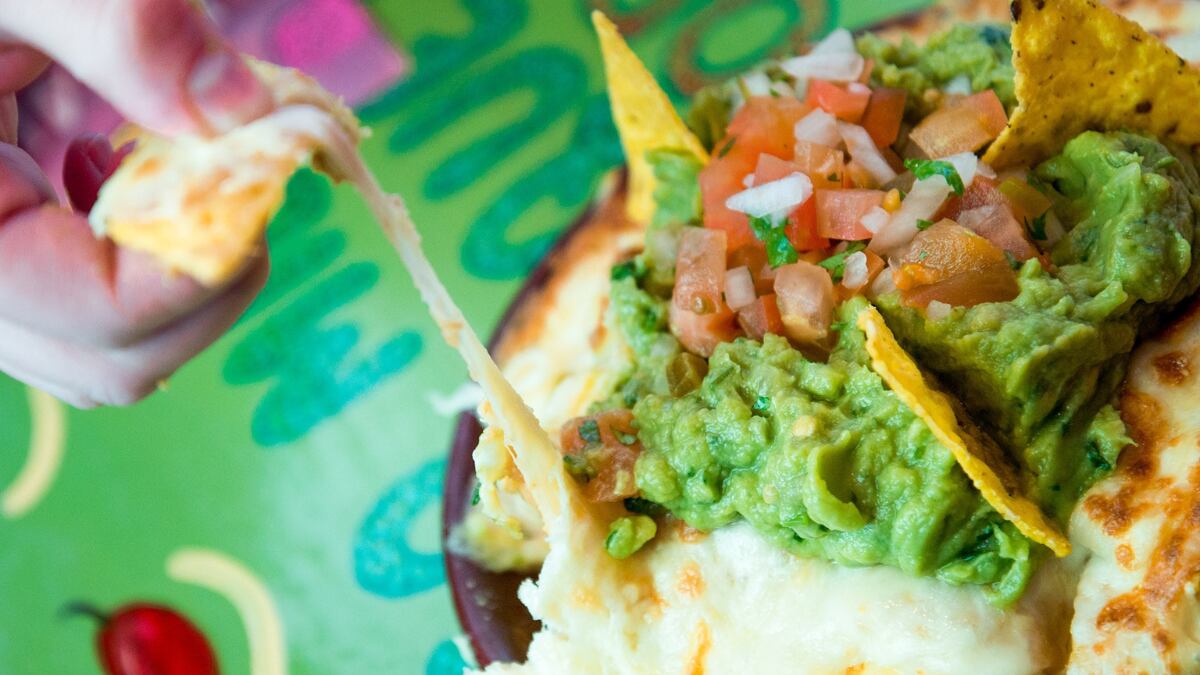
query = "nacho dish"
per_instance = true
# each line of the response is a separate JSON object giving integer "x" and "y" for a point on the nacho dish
{"x": 879, "y": 363}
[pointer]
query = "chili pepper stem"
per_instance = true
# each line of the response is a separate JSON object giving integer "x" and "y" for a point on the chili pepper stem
{"x": 84, "y": 609}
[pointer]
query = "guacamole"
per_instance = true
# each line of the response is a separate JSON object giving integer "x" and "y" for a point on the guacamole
{"x": 820, "y": 456}
{"x": 1040, "y": 371}
{"x": 978, "y": 55}
{"x": 826, "y": 461}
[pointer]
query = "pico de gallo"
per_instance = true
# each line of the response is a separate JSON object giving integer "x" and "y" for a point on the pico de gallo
{"x": 851, "y": 175}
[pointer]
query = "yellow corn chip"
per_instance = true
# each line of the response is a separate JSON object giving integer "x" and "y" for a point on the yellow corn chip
{"x": 643, "y": 114}
{"x": 1080, "y": 66}
{"x": 200, "y": 205}
{"x": 981, "y": 460}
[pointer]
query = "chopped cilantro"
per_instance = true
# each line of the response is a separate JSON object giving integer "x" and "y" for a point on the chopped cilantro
{"x": 475, "y": 494}
{"x": 924, "y": 168}
{"x": 727, "y": 147}
{"x": 923, "y": 256}
{"x": 579, "y": 467}
{"x": 626, "y": 439}
{"x": 1012, "y": 260}
{"x": 642, "y": 506}
{"x": 923, "y": 224}
{"x": 1037, "y": 227}
{"x": 1097, "y": 458}
{"x": 771, "y": 232}
{"x": 590, "y": 431}
{"x": 836, "y": 263}
{"x": 761, "y": 404}
{"x": 833, "y": 178}
{"x": 624, "y": 270}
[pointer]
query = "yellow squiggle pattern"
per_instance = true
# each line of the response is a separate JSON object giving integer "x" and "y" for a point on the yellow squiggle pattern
{"x": 242, "y": 588}
{"x": 46, "y": 442}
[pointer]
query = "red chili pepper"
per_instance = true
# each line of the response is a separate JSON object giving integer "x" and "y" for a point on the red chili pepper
{"x": 145, "y": 639}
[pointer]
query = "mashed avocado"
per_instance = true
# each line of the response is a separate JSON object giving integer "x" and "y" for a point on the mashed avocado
{"x": 826, "y": 461}
{"x": 1041, "y": 371}
{"x": 981, "y": 54}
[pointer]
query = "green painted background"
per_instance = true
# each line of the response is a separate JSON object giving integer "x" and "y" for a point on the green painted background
{"x": 303, "y": 443}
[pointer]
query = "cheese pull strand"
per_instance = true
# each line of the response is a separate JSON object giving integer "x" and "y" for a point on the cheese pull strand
{"x": 537, "y": 458}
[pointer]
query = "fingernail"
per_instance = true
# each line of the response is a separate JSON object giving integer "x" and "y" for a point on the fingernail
{"x": 224, "y": 91}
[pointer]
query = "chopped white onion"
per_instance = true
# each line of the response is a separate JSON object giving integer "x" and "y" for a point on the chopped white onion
{"x": 875, "y": 219}
{"x": 858, "y": 88}
{"x": 839, "y": 41}
{"x": 782, "y": 89}
{"x": 937, "y": 310}
{"x": 775, "y": 197}
{"x": 818, "y": 127}
{"x": 739, "y": 288}
{"x": 862, "y": 149}
{"x": 854, "y": 274}
{"x": 961, "y": 84}
{"x": 984, "y": 169}
{"x": 1054, "y": 229}
{"x": 921, "y": 203}
{"x": 832, "y": 66}
{"x": 748, "y": 180}
{"x": 883, "y": 284}
{"x": 966, "y": 164}
{"x": 757, "y": 83}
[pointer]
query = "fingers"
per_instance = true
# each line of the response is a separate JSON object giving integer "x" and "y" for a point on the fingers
{"x": 87, "y": 163}
{"x": 86, "y": 376}
{"x": 102, "y": 294}
{"x": 19, "y": 65}
{"x": 161, "y": 63}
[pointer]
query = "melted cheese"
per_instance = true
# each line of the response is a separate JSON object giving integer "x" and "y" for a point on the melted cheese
{"x": 1137, "y": 610}
{"x": 765, "y": 611}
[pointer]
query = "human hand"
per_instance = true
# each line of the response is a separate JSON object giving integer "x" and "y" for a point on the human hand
{"x": 81, "y": 318}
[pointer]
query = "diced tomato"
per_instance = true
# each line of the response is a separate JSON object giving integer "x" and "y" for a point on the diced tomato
{"x": 761, "y": 317}
{"x": 601, "y": 450}
{"x": 981, "y": 192}
{"x": 824, "y": 165}
{"x": 701, "y": 333}
{"x": 801, "y": 229}
{"x": 838, "y": 212}
{"x": 858, "y": 176}
{"x": 804, "y": 294}
{"x": 965, "y": 125}
{"x": 883, "y": 115}
{"x": 838, "y": 101}
{"x": 996, "y": 223}
{"x": 1027, "y": 203}
{"x": 764, "y": 125}
{"x": 754, "y": 258}
{"x": 700, "y": 270}
{"x": 868, "y": 68}
{"x": 986, "y": 104}
{"x": 951, "y": 264}
{"x": 770, "y": 167}
{"x": 875, "y": 265}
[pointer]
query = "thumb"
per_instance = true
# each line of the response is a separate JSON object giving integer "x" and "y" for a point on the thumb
{"x": 161, "y": 63}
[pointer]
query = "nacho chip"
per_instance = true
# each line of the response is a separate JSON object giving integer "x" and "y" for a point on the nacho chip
{"x": 200, "y": 205}
{"x": 1080, "y": 66}
{"x": 979, "y": 458}
{"x": 643, "y": 114}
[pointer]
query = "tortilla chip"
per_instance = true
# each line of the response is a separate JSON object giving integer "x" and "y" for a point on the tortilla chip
{"x": 644, "y": 116}
{"x": 1079, "y": 66}
{"x": 979, "y": 458}
{"x": 201, "y": 205}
